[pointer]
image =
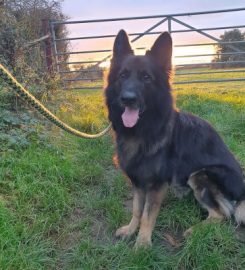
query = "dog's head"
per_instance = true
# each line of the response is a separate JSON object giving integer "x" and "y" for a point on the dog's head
{"x": 138, "y": 83}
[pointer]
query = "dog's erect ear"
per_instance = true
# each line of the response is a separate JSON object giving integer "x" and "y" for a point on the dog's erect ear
{"x": 162, "y": 50}
{"x": 121, "y": 46}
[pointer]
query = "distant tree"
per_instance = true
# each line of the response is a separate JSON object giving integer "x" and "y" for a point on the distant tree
{"x": 222, "y": 49}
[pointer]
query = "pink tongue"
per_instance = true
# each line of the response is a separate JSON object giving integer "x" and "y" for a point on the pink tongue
{"x": 130, "y": 117}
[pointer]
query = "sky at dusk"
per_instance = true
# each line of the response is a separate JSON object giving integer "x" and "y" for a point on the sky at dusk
{"x": 95, "y": 9}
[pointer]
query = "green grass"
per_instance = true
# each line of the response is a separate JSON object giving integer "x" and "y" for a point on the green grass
{"x": 61, "y": 201}
{"x": 210, "y": 76}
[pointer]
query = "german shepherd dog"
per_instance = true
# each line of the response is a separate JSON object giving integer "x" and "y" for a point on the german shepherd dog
{"x": 157, "y": 145}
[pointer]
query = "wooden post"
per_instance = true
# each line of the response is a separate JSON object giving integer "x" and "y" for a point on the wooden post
{"x": 48, "y": 46}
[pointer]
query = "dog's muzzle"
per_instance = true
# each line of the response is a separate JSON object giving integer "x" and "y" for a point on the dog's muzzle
{"x": 128, "y": 99}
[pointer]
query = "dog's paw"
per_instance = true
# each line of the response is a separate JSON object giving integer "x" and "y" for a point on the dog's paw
{"x": 142, "y": 242}
{"x": 124, "y": 232}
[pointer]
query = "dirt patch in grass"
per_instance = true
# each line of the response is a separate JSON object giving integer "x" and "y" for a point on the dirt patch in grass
{"x": 72, "y": 233}
{"x": 78, "y": 225}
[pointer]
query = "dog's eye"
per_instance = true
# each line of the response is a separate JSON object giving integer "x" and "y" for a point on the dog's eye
{"x": 123, "y": 75}
{"x": 146, "y": 76}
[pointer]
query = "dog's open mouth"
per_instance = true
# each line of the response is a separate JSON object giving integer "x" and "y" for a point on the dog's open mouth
{"x": 130, "y": 117}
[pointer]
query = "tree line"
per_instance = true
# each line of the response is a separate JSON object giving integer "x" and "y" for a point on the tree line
{"x": 224, "y": 51}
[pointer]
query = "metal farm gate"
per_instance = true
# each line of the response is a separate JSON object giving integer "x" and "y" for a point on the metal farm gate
{"x": 84, "y": 68}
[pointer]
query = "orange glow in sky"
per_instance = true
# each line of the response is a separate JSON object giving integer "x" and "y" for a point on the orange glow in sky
{"x": 96, "y": 9}
{"x": 177, "y": 51}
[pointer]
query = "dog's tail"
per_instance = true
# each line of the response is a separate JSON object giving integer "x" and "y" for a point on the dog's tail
{"x": 240, "y": 212}
{"x": 232, "y": 182}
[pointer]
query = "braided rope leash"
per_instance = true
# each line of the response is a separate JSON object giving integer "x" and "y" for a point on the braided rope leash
{"x": 29, "y": 98}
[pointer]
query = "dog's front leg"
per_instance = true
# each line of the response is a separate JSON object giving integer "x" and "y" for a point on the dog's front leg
{"x": 152, "y": 206}
{"x": 138, "y": 205}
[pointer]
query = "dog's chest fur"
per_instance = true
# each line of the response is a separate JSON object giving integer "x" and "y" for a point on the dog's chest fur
{"x": 143, "y": 163}
{"x": 153, "y": 169}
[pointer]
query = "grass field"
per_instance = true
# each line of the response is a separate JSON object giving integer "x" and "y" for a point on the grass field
{"x": 61, "y": 201}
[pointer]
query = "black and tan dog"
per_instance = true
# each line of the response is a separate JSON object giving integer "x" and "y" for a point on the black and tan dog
{"x": 157, "y": 145}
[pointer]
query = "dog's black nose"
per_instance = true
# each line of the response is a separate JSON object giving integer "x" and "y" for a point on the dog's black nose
{"x": 128, "y": 97}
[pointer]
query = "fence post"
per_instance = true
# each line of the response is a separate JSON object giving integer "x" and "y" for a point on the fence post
{"x": 169, "y": 25}
{"x": 48, "y": 48}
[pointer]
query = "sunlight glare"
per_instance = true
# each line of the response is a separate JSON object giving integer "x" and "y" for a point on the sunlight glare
{"x": 189, "y": 51}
